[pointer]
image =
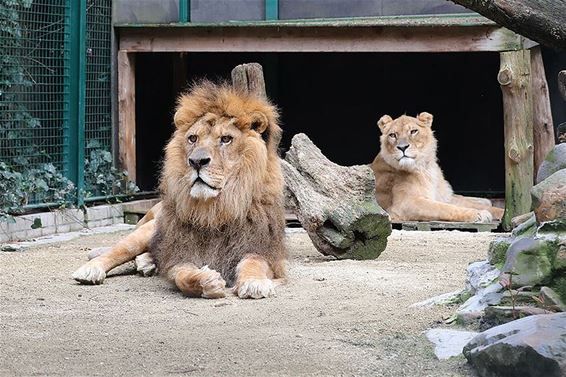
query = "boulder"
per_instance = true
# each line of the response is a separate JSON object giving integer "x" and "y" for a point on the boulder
{"x": 529, "y": 261}
{"x": 480, "y": 275}
{"x": 449, "y": 343}
{"x": 531, "y": 346}
{"x": 527, "y": 228}
{"x": 498, "y": 249}
{"x": 555, "y": 160}
{"x": 473, "y": 309}
{"x": 549, "y": 197}
{"x": 552, "y": 300}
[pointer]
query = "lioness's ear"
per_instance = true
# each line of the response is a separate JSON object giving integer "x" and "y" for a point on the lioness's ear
{"x": 383, "y": 121}
{"x": 425, "y": 118}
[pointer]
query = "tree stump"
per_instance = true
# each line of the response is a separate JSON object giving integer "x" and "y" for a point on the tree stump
{"x": 335, "y": 204}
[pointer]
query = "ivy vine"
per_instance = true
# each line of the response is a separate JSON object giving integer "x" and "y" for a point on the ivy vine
{"x": 28, "y": 174}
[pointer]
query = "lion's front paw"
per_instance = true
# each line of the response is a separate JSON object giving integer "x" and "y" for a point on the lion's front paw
{"x": 212, "y": 283}
{"x": 255, "y": 288}
{"x": 484, "y": 216}
{"x": 145, "y": 265}
{"x": 89, "y": 273}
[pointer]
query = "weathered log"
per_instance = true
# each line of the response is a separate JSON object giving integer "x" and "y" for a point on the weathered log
{"x": 335, "y": 204}
{"x": 543, "y": 21}
{"x": 515, "y": 79}
{"x": 543, "y": 126}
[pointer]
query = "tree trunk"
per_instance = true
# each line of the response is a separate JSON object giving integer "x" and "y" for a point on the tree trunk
{"x": 515, "y": 79}
{"x": 562, "y": 84}
{"x": 543, "y": 21}
{"x": 543, "y": 126}
{"x": 335, "y": 204}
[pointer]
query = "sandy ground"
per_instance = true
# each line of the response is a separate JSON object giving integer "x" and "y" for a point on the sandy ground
{"x": 334, "y": 318}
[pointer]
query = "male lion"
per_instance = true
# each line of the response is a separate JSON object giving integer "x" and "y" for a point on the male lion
{"x": 410, "y": 184}
{"x": 221, "y": 219}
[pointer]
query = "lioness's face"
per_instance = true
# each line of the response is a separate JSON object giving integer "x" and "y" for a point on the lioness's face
{"x": 406, "y": 140}
{"x": 215, "y": 147}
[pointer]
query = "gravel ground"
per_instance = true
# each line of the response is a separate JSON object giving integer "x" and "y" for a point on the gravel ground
{"x": 333, "y": 318}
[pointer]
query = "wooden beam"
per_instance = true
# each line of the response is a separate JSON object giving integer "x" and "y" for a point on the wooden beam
{"x": 515, "y": 79}
{"x": 543, "y": 126}
{"x": 127, "y": 113}
{"x": 319, "y": 39}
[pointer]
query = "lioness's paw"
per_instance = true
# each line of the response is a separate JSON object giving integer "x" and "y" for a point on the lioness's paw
{"x": 89, "y": 274}
{"x": 212, "y": 283}
{"x": 255, "y": 288}
{"x": 484, "y": 216}
{"x": 145, "y": 265}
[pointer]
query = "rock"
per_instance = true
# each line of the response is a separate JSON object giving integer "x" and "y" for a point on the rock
{"x": 552, "y": 300}
{"x": 497, "y": 315}
{"x": 532, "y": 346}
{"x": 527, "y": 228}
{"x": 549, "y": 197}
{"x": 448, "y": 342}
{"x": 553, "y": 230}
{"x": 443, "y": 299}
{"x": 498, "y": 249}
{"x": 11, "y": 247}
{"x": 530, "y": 262}
{"x": 472, "y": 310}
{"x": 555, "y": 160}
{"x": 480, "y": 275}
{"x": 518, "y": 220}
{"x": 520, "y": 297}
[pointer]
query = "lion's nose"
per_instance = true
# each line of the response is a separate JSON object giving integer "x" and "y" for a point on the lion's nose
{"x": 403, "y": 147}
{"x": 198, "y": 163}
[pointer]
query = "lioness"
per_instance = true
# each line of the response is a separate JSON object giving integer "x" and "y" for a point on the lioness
{"x": 410, "y": 184}
{"x": 221, "y": 219}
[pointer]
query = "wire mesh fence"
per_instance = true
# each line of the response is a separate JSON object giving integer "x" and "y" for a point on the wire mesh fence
{"x": 55, "y": 102}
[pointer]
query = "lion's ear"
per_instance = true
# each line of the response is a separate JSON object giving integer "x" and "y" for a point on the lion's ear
{"x": 259, "y": 122}
{"x": 425, "y": 118}
{"x": 383, "y": 121}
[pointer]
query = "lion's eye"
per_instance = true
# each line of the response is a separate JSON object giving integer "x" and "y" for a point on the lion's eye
{"x": 226, "y": 139}
{"x": 192, "y": 139}
{"x": 414, "y": 132}
{"x": 393, "y": 135}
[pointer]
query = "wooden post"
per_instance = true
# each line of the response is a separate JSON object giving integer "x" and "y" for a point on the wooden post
{"x": 127, "y": 113}
{"x": 179, "y": 65}
{"x": 543, "y": 126}
{"x": 515, "y": 79}
{"x": 249, "y": 77}
{"x": 562, "y": 84}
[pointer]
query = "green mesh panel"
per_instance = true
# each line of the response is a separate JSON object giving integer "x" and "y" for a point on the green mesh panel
{"x": 33, "y": 54}
{"x": 98, "y": 110}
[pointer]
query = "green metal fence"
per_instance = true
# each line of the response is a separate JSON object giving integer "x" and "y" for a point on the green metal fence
{"x": 55, "y": 102}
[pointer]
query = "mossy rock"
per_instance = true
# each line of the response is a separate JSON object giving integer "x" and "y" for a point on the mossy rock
{"x": 497, "y": 251}
{"x": 525, "y": 229}
{"x": 530, "y": 261}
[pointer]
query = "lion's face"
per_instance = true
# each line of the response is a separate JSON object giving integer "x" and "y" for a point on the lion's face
{"x": 406, "y": 142}
{"x": 222, "y": 156}
{"x": 216, "y": 149}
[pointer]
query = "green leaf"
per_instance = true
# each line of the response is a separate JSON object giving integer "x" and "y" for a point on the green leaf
{"x": 36, "y": 223}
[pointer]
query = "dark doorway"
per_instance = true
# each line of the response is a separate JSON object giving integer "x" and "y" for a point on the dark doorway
{"x": 337, "y": 98}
